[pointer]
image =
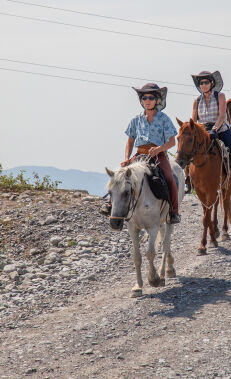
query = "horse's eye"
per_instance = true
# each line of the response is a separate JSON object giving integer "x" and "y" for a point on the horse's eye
{"x": 126, "y": 193}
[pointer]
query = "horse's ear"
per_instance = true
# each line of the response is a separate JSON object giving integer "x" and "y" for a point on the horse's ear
{"x": 128, "y": 173}
{"x": 191, "y": 123}
{"x": 179, "y": 122}
{"x": 109, "y": 172}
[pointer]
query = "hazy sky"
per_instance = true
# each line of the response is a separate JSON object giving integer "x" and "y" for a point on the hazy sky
{"x": 72, "y": 124}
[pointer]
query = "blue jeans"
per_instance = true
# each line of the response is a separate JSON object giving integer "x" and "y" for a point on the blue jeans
{"x": 226, "y": 138}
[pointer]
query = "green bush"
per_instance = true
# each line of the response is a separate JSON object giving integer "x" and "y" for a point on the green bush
{"x": 19, "y": 183}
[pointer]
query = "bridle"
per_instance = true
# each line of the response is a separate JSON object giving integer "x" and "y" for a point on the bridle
{"x": 188, "y": 158}
{"x": 132, "y": 203}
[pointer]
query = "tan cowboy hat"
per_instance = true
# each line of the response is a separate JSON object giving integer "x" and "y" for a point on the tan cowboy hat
{"x": 159, "y": 93}
{"x": 215, "y": 77}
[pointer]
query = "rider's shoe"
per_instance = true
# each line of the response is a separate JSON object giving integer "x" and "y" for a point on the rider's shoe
{"x": 175, "y": 218}
{"x": 105, "y": 209}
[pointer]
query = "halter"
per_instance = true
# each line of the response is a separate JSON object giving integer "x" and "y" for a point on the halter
{"x": 196, "y": 150}
{"x": 131, "y": 201}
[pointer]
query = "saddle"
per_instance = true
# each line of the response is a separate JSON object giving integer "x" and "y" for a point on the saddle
{"x": 156, "y": 180}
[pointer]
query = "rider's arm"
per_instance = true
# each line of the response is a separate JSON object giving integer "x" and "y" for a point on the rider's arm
{"x": 222, "y": 111}
{"x": 194, "y": 112}
{"x": 129, "y": 147}
{"x": 128, "y": 151}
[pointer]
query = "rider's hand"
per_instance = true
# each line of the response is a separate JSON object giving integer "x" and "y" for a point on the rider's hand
{"x": 213, "y": 134}
{"x": 125, "y": 163}
{"x": 154, "y": 151}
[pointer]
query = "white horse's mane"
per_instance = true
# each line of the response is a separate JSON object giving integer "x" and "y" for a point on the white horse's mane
{"x": 138, "y": 169}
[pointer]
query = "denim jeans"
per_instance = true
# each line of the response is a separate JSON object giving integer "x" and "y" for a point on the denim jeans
{"x": 226, "y": 138}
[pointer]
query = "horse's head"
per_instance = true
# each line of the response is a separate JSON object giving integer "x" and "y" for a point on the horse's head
{"x": 121, "y": 192}
{"x": 191, "y": 137}
{"x": 125, "y": 187}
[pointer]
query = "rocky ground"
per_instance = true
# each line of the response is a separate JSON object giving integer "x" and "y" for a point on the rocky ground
{"x": 65, "y": 306}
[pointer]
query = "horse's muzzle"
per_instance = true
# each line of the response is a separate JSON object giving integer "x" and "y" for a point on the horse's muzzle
{"x": 116, "y": 224}
{"x": 181, "y": 162}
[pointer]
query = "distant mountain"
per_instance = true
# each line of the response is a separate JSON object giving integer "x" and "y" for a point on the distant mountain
{"x": 93, "y": 182}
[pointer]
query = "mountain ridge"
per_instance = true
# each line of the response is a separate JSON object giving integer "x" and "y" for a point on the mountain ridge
{"x": 93, "y": 182}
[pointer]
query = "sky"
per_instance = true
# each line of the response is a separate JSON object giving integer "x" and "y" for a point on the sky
{"x": 73, "y": 124}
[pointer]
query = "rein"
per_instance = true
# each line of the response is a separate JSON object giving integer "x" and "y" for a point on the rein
{"x": 133, "y": 207}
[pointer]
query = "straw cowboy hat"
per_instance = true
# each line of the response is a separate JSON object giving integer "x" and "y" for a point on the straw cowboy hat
{"x": 159, "y": 93}
{"x": 214, "y": 77}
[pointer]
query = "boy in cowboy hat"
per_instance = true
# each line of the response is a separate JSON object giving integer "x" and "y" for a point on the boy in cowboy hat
{"x": 153, "y": 133}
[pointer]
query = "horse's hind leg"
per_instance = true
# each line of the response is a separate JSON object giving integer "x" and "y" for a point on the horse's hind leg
{"x": 137, "y": 289}
{"x": 227, "y": 214}
{"x": 153, "y": 277}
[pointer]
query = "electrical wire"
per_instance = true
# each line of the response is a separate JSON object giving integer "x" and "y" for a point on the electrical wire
{"x": 80, "y": 79}
{"x": 119, "y": 19}
{"x": 92, "y": 72}
{"x": 114, "y": 31}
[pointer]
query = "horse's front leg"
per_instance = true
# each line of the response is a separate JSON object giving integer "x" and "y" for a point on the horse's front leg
{"x": 169, "y": 271}
{"x": 153, "y": 277}
{"x": 134, "y": 234}
{"x": 207, "y": 224}
{"x": 215, "y": 221}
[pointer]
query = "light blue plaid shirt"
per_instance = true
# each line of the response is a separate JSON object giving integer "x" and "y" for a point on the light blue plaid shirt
{"x": 157, "y": 132}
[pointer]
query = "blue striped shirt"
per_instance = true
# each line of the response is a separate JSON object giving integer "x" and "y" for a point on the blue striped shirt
{"x": 157, "y": 132}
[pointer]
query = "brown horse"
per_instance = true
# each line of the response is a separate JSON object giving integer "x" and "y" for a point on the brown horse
{"x": 207, "y": 176}
{"x": 186, "y": 171}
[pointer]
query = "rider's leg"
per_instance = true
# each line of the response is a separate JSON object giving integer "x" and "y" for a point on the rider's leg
{"x": 166, "y": 168}
{"x": 226, "y": 138}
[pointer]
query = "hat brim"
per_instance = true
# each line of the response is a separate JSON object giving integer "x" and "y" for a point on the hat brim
{"x": 162, "y": 92}
{"x": 216, "y": 76}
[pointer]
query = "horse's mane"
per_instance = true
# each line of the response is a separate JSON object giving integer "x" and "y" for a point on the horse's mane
{"x": 138, "y": 169}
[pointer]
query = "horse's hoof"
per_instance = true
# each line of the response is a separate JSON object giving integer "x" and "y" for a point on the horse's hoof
{"x": 202, "y": 251}
{"x": 225, "y": 237}
{"x": 136, "y": 292}
{"x": 162, "y": 282}
{"x": 155, "y": 282}
{"x": 171, "y": 273}
{"x": 213, "y": 244}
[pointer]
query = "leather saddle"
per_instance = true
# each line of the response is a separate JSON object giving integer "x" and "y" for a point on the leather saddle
{"x": 156, "y": 180}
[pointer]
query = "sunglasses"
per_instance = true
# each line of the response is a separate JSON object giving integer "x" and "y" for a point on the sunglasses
{"x": 204, "y": 82}
{"x": 148, "y": 98}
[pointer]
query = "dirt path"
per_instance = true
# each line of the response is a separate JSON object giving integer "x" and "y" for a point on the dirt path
{"x": 181, "y": 330}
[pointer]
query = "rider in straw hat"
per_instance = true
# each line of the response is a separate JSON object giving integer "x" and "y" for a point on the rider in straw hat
{"x": 210, "y": 107}
{"x": 153, "y": 133}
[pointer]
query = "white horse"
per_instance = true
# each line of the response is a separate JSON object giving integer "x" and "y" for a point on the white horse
{"x": 133, "y": 201}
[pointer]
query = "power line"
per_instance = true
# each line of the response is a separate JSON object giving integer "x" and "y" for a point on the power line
{"x": 114, "y": 31}
{"x": 96, "y": 72}
{"x": 92, "y": 72}
{"x": 119, "y": 19}
{"x": 81, "y": 80}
